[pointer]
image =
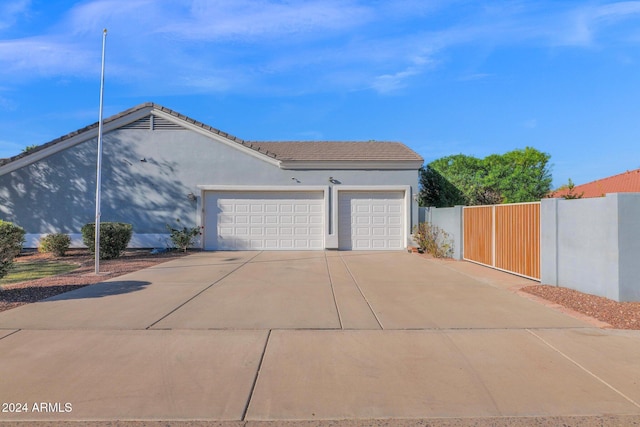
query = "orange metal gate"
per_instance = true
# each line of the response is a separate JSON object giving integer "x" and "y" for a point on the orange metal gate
{"x": 506, "y": 237}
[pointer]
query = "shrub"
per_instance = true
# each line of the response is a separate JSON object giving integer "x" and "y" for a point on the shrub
{"x": 56, "y": 243}
{"x": 11, "y": 241}
{"x": 183, "y": 238}
{"x": 433, "y": 240}
{"x": 114, "y": 238}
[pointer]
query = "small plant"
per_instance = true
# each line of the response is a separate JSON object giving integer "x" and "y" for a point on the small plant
{"x": 29, "y": 148}
{"x": 570, "y": 195}
{"x": 11, "y": 241}
{"x": 56, "y": 243}
{"x": 114, "y": 238}
{"x": 433, "y": 240}
{"x": 183, "y": 238}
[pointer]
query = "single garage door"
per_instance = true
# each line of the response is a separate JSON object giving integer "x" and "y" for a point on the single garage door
{"x": 371, "y": 220}
{"x": 263, "y": 220}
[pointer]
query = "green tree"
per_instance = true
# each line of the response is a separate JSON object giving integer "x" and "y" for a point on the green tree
{"x": 464, "y": 173}
{"x": 517, "y": 176}
{"x": 436, "y": 191}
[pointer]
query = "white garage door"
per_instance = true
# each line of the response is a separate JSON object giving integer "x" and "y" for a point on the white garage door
{"x": 264, "y": 220}
{"x": 371, "y": 220}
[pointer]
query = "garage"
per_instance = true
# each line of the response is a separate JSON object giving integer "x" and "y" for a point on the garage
{"x": 264, "y": 220}
{"x": 371, "y": 220}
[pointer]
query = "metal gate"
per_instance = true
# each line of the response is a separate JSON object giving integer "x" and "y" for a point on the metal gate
{"x": 506, "y": 237}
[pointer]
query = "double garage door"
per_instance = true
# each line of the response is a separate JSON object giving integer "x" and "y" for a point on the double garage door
{"x": 264, "y": 220}
{"x": 296, "y": 220}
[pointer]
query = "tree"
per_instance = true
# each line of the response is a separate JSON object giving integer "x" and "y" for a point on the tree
{"x": 461, "y": 175}
{"x": 570, "y": 195}
{"x": 517, "y": 176}
{"x": 436, "y": 191}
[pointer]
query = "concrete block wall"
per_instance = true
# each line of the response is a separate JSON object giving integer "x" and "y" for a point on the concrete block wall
{"x": 592, "y": 245}
{"x": 451, "y": 221}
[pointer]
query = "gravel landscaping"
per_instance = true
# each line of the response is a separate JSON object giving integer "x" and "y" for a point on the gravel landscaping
{"x": 620, "y": 315}
{"x": 17, "y": 294}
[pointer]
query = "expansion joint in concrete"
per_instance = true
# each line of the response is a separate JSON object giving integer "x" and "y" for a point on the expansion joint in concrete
{"x": 12, "y": 333}
{"x": 204, "y": 290}
{"x": 333, "y": 291}
{"x": 255, "y": 379}
{"x": 361, "y": 293}
{"x": 551, "y": 346}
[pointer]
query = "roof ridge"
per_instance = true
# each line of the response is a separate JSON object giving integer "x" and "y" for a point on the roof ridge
{"x": 611, "y": 177}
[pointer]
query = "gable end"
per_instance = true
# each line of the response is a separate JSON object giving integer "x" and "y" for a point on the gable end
{"x": 153, "y": 122}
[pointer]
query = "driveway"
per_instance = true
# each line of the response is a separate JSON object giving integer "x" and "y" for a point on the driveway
{"x": 279, "y": 336}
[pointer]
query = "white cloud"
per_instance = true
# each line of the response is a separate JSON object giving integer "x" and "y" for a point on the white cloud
{"x": 387, "y": 83}
{"x": 42, "y": 56}
{"x": 583, "y": 25}
{"x": 230, "y": 45}
{"x": 245, "y": 19}
{"x": 10, "y": 11}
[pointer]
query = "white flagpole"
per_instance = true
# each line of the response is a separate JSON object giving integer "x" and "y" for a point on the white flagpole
{"x": 99, "y": 163}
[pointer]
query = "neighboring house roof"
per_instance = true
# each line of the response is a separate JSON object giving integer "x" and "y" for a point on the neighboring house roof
{"x": 627, "y": 182}
{"x": 288, "y": 154}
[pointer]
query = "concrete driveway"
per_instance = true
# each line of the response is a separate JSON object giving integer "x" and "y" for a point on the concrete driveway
{"x": 278, "y": 336}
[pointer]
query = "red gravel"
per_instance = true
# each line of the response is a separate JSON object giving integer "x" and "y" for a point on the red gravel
{"x": 16, "y": 294}
{"x": 620, "y": 315}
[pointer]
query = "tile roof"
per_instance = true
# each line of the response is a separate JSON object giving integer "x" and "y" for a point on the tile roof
{"x": 281, "y": 150}
{"x": 627, "y": 182}
{"x": 338, "y": 150}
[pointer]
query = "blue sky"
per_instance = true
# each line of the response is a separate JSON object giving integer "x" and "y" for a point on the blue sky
{"x": 442, "y": 76}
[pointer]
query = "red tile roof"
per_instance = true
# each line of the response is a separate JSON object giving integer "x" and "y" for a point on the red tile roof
{"x": 627, "y": 182}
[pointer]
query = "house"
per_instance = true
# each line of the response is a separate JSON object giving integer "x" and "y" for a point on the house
{"x": 159, "y": 166}
{"x": 627, "y": 182}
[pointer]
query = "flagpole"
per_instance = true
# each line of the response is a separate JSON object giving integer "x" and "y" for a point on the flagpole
{"x": 99, "y": 163}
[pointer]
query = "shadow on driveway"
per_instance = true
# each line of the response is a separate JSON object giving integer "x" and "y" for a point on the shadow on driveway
{"x": 103, "y": 289}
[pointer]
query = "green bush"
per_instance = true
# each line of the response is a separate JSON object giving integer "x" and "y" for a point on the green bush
{"x": 183, "y": 238}
{"x": 56, "y": 243}
{"x": 11, "y": 241}
{"x": 114, "y": 238}
{"x": 433, "y": 240}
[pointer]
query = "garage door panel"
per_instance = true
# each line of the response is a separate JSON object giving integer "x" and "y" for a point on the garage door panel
{"x": 264, "y": 220}
{"x": 379, "y": 220}
{"x": 370, "y": 220}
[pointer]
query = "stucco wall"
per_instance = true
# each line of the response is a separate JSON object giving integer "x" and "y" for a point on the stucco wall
{"x": 629, "y": 246}
{"x": 592, "y": 245}
{"x": 146, "y": 177}
{"x": 449, "y": 220}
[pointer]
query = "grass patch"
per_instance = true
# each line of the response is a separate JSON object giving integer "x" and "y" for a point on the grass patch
{"x": 23, "y": 271}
